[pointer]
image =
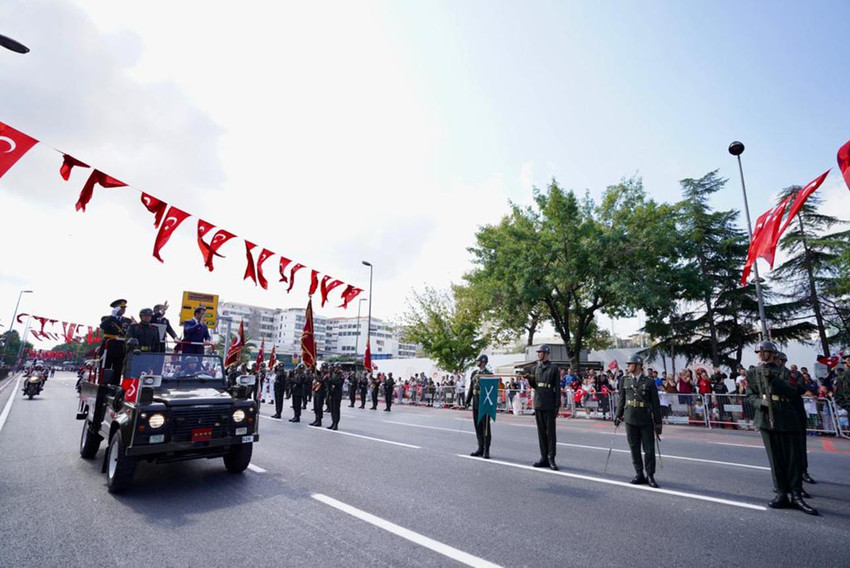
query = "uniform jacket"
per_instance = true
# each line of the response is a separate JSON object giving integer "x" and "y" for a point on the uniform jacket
{"x": 335, "y": 383}
{"x": 775, "y": 379}
{"x": 474, "y": 393}
{"x": 547, "y": 386}
{"x": 146, "y": 334}
{"x": 639, "y": 390}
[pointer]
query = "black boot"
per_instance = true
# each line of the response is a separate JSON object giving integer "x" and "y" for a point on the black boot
{"x": 542, "y": 462}
{"x": 638, "y": 479}
{"x": 478, "y": 453}
{"x": 294, "y": 420}
{"x": 276, "y": 416}
{"x": 798, "y": 503}
{"x": 552, "y": 464}
{"x": 331, "y": 427}
{"x": 650, "y": 480}
{"x": 805, "y": 494}
{"x": 808, "y": 479}
{"x": 486, "y": 455}
{"x": 336, "y": 426}
{"x": 779, "y": 502}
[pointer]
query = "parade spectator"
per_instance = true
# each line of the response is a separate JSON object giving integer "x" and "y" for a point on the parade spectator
{"x": 669, "y": 385}
{"x": 703, "y": 382}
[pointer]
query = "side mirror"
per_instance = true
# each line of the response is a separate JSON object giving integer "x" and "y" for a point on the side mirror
{"x": 246, "y": 380}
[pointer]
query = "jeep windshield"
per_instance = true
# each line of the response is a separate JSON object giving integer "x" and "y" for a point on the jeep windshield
{"x": 173, "y": 367}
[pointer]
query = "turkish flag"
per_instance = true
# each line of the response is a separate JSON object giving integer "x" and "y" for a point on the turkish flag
{"x": 219, "y": 238}
{"x": 367, "y": 356}
{"x": 172, "y": 220}
{"x": 263, "y": 257}
{"x": 155, "y": 206}
{"x": 68, "y": 162}
{"x": 800, "y": 199}
{"x": 613, "y": 365}
{"x": 130, "y": 388}
{"x": 765, "y": 238}
{"x": 272, "y": 359}
{"x": 314, "y": 282}
{"x": 250, "y": 270}
{"x": 261, "y": 354}
{"x": 843, "y": 162}
{"x": 298, "y": 266}
{"x": 236, "y": 347}
{"x": 327, "y": 287}
{"x": 203, "y": 229}
{"x": 308, "y": 339}
{"x": 349, "y": 294}
{"x": 21, "y": 317}
{"x": 13, "y": 145}
{"x": 284, "y": 262}
{"x": 96, "y": 177}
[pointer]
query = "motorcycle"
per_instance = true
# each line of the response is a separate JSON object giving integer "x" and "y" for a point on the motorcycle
{"x": 33, "y": 386}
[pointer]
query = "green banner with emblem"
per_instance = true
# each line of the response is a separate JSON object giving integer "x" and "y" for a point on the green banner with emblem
{"x": 488, "y": 395}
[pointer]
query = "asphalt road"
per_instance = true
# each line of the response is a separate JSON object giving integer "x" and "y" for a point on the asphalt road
{"x": 399, "y": 489}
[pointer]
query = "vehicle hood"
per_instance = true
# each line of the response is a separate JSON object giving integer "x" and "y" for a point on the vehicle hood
{"x": 192, "y": 395}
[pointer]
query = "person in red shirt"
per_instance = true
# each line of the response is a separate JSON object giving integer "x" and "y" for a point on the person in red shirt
{"x": 703, "y": 382}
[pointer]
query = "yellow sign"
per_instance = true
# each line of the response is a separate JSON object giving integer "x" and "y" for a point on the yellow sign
{"x": 192, "y": 300}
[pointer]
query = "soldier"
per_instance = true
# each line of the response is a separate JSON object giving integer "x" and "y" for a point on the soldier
{"x": 770, "y": 393}
{"x": 298, "y": 391}
{"x": 795, "y": 379}
{"x": 160, "y": 320}
{"x": 639, "y": 407}
{"x": 146, "y": 334}
{"x": 279, "y": 379}
{"x": 389, "y": 388}
{"x": 547, "y": 400}
{"x": 114, "y": 327}
{"x": 482, "y": 427}
{"x": 320, "y": 389}
{"x": 375, "y": 386}
{"x": 352, "y": 388}
{"x": 335, "y": 383}
{"x": 363, "y": 385}
{"x": 841, "y": 394}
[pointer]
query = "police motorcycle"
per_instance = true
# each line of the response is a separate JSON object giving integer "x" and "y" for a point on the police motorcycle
{"x": 163, "y": 408}
{"x": 34, "y": 382}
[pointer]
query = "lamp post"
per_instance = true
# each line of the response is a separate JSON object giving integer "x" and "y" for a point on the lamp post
{"x": 357, "y": 338}
{"x": 369, "y": 319}
{"x": 12, "y": 324}
{"x": 736, "y": 149}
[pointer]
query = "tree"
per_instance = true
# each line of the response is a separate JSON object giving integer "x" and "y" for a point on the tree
{"x": 449, "y": 330}
{"x": 12, "y": 346}
{"x": 810, "y": 273}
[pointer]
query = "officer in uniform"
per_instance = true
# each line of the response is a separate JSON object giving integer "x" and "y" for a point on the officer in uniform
{"x": 335, "y": 383}
{"x": 298, "y": 391}
{"x": 363, "y": 386}
{"x": 320, "y": 389}
{"x": 389, "y": 387}
{"x": 114, "y": 327}
{"x": 375, "y": 385}
{"x": 482, "y": 427}
{"x": 639, "y": 407}
{"x": 144, "y": 331}
{"x": 160, "y": 319}
{"x": 770, "y": 393}
{"x": 279, "y": 379}
{"x": 546, "y": 383}
{"x": 795, "y": 380}
{"x": 352, "y": 388}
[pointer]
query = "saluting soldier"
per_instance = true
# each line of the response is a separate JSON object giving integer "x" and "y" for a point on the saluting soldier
{"x": 297, "y": 387}
{"x": 770, "y": 392}
{"x": 546, "y": 383}
{"x": 795, "y": 379}
{"x": 389, "y": 389}
{"x": 375, "y": 384}
{"x": 115, "y": 327}
{"x": 639, "y": 407}
{"x": 145, "y": 332}
{"x": 363, "y": 386}
{"x": 335, "y": 383}
{"x": 482, "y": 427}
{"x": 320, "y": 390}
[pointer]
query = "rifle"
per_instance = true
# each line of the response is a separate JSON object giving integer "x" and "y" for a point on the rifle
{"x": 768, "y": 390}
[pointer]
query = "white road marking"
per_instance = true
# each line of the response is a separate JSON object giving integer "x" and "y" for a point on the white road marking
{"x": 428, "y": 427}
{"x": 256, "y": 468}
{"x": 323, "y": 429}
{"x": 738, "y": 445}
{"x": 665, "y": 456}
{"x": 407, "y": 534}
{"x": 623, "y": 484}
{"x": 524, "y": 425}
{"x": 8, "y": 407}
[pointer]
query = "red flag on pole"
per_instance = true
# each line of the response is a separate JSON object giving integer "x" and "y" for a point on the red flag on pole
{"x": 308, "y": 339}
{"x": 844, "y": 162}
{"x": 236, "y": 347}
{"x": 13, "y": 145}
{"x": 261, "y": 354}
{"x": 272, "y": 358}
{"x": 800, "y": 199}
{"x": 367, "y": 356}
{"x": 765, "y": 237}
{"x": 172, "y": 220}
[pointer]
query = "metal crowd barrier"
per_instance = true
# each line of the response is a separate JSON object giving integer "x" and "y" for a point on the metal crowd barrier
{"x": 841, "y": 420}
{"x": 729, "y": 411}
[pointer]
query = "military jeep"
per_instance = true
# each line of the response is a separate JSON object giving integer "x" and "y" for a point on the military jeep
{"x": 166, "y": 408}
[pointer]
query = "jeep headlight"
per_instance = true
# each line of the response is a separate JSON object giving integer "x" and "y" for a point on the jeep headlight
{"x": 238, "y": 415}
{"x": 156, "y": 421}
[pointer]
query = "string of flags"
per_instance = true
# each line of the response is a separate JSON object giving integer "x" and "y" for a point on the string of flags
{"x": 69, "y": 330}
{"x": 167, "y": 218}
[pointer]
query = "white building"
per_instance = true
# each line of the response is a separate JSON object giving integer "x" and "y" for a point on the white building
{"x": 347, "y": 336}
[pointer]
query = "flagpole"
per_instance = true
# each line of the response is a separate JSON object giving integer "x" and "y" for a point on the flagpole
{"x": 736, "y": 149}
{"x": 369, "y": 318}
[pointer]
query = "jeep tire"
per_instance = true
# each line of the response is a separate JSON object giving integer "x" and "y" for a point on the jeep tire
{"x": 119, "y": 468}
{"x": 237, "y": 460}
{"x": 89, "y": 443}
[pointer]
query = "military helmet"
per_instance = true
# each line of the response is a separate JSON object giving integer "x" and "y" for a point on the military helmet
{"x": 145, "y": 312}
{"x": 766, "y": 346}
{"x": 782, "y": 356}
{"x": 482, "y": 357}
{"x": 300, "y": 367}
{"x": 543, "y": 348}
{"x": 635, "y": 358}
{"x": 190, "y": 360}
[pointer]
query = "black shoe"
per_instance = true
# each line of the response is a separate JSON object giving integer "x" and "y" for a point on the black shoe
{"x": 639, "y": 479}
{"x": 331, "y": 427}
{"x": 294, "y": 420}
{"x": 798, "y": 503}
{"x": 542, "y": 463}
{"x": 477, "y": 453}
{"x": 486, "y": 455}
{"x": 780, "y": 502}
{"x": 276, "y": 416}
{"x": 805, "y": 494}
{"x": 335, "y": 427}
{"x": 808, "y": 479}
{"x": 552, "y": 465}
{"x": 650, "y": 480}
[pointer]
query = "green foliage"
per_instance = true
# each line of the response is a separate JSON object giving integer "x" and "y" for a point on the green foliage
{"x": 11, "y": 346}
{"x": 448, "y": 328}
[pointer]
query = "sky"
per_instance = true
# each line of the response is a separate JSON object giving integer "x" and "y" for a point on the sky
{"x": 337, "y": 132}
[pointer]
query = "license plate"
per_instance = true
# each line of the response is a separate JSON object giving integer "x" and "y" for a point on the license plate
{"x": 241, "y": 431}
{"x": 247, "y": 439}
{"x": 202, "y": 434}
{"x": 158, "y": 439}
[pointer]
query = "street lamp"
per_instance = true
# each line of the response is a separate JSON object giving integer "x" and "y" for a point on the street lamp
{"x": 13, "y": 45}
{"x": 12, "y": 323}
{"x": 369, "y": 320}
{"x": 357, "y": 339}
{"x": 736, "y": 148}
